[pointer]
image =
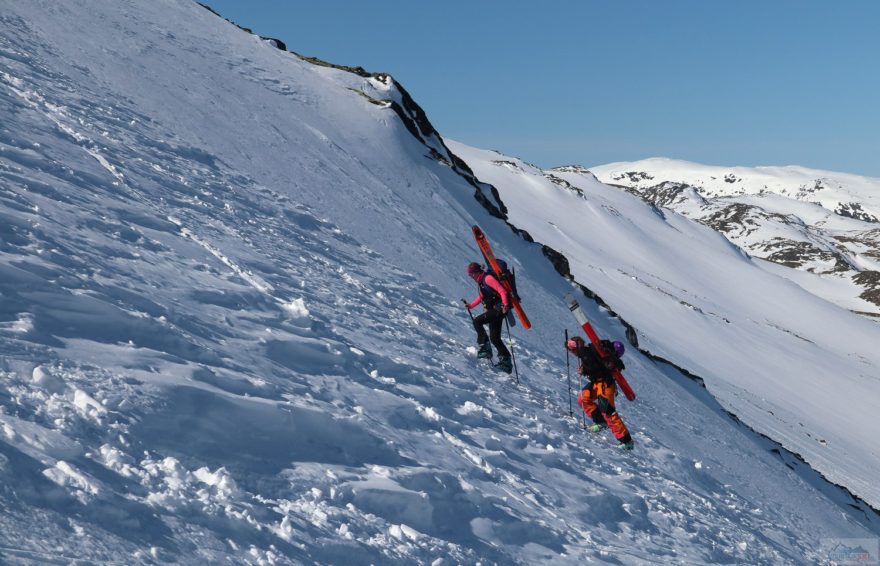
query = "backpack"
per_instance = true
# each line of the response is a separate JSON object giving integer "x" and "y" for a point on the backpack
{"x": 611, "y": 354}
{"x": 595, "y": 366}
{"x": 505, "y": 275}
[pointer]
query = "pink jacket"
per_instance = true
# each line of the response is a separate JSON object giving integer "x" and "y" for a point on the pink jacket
{"x": 496, "y": 286}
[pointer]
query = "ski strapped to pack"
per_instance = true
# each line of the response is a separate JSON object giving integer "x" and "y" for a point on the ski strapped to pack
{"x": 483, "y": 243}
{"x": 579, "y": 315}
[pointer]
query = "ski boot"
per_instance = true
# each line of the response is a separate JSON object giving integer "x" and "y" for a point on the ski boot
{"x": 504, "y": 364}
{"x": 626, "y": 445}
{"x": 597, "y": 427}
{"x": 485, "y": 352}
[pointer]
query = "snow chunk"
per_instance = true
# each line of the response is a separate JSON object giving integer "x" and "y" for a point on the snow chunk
{"x": 51, "y": 383}
{"x": 402, "y": 532}
{"x": 428, "y": 413}
{"x": 67, "y": 476}
{"x": 296, "y": 308}
{"x": 222, "y": 482}
{"x": 118, "y": 461}
{"x": 470, "y": 407}
{"x": 87, "y": 405}
{"x": 344, "y": 532}
{"x": 386, "y": 380}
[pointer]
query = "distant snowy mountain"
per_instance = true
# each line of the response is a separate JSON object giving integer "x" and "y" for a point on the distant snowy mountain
{"x": 848, "y": 195}
{"x": 230, "y": 331}
{"x": 822, "y": 223}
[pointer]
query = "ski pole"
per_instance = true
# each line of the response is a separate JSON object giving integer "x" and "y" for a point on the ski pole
{"x": 568, "y": 373}
{"x": 465, "y": 303}
{"x": 583, "y": 413}
{"x": 512, "y": 354}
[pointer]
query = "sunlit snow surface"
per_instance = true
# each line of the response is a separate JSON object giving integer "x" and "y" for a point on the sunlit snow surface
{"x": 825, "y": 225}
{"x": 792, "y": 365}
{"x": 230, "y": 331}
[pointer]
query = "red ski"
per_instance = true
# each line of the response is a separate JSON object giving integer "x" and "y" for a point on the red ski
{"x": 493, "y": 263}
{"x": 578, "y": 313}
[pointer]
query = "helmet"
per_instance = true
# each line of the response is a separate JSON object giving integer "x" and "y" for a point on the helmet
{"x": 474, "y": 268}
{"x": 618, "y": 348}
{"x": 571, "y": 344}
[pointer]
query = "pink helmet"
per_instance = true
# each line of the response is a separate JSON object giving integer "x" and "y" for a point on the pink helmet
{"x": 474, "y": 268}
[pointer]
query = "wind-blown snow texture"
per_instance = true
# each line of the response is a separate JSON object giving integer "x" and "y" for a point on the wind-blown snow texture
{"x": 230, "y": 330}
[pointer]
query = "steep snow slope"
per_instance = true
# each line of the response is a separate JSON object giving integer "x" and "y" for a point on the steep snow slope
{"x": 230, "y": 331}
{"x": 793, "y": 366}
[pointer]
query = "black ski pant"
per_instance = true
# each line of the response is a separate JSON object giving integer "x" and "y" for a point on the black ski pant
{"x": 494, "y": 318}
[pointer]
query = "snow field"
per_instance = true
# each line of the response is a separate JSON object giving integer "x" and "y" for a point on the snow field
{"x": 240, "y": 339}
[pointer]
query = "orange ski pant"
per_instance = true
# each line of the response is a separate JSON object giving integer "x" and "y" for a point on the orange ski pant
{"x": 597, "y": 400}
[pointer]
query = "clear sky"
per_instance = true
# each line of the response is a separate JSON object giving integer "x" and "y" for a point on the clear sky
{"x": 735, "y": 82}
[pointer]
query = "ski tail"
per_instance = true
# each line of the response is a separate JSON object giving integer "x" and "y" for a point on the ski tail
{"x": 624, "y": 386}
{"x": 579, "y": 315}
{"x": 483, "y": 243}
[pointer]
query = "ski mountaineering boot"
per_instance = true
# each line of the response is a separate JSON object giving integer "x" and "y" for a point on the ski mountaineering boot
{"x": 504, "y": 364}
{"x": 485, "y": 352}
{"x": 628, "y": 445}
{"x": 597, "y": 427}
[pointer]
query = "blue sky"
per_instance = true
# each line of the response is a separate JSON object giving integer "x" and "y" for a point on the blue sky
{"x": 763, "y": 82}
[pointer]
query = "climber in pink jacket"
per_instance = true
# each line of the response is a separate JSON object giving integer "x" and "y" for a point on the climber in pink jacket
{"x": 496, "y": 302}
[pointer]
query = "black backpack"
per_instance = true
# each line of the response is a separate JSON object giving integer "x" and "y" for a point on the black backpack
{"x": 598, "y": 368}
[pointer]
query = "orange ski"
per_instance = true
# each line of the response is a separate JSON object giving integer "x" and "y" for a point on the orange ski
{"x": 483, "y": 243}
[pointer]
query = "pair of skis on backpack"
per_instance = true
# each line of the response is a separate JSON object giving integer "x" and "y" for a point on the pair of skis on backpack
{"x": 574, "y": 307}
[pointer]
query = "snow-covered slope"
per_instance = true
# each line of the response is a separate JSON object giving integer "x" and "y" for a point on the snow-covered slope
{"x": 230, "y": 331}
{"x": 845, "y": 194}
{"x": 778, "y": 357}
{"x": 819, "y": 222}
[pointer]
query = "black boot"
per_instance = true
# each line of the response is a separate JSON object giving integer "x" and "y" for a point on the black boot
{"x": 485, "y": 351}
{"x": 504, "y": 364}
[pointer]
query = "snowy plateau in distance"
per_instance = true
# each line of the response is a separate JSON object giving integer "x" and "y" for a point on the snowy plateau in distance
{"x": 230, "y": 330}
